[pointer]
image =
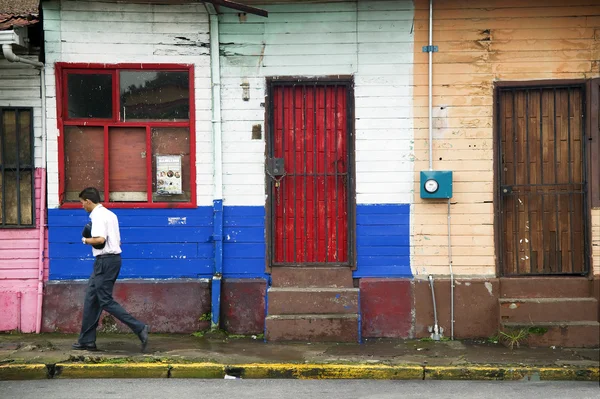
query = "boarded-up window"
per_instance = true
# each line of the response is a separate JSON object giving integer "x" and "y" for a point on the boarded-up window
{"x": 129, "y": 133}
{"x": 16, "y": 168}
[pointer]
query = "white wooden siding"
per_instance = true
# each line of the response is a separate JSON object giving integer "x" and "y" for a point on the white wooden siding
{"x": 370, "y": 40}
{"x": 20, "y": 87}
{"x": 87, "y": 31}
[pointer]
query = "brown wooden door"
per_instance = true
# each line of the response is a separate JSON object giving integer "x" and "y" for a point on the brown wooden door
{"x": 542, "y": 181}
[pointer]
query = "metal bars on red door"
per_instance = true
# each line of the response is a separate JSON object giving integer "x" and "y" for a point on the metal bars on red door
{"x": 310, "y": 129}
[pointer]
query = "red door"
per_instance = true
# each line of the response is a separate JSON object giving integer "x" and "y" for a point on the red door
{"x": 310, "y": 200}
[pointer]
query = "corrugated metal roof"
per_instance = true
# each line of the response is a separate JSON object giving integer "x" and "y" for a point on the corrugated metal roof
{"x": 11, "y": 21}
{"x": 19, "y": 7}
{"x": 17, "y": 13}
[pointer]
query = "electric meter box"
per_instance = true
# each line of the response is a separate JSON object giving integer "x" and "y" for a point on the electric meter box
{"x": 436, "y": 184}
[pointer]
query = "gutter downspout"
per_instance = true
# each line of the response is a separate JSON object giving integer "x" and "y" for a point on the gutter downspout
{"x": 435, "y": 334}
{"x": 430, "y": 78}
{"x": 10, "y": 56}
{"x": 218, "y": 165}
{"x": 451, "y": 276}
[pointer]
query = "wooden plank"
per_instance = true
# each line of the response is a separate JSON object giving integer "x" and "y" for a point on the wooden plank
{"x": 12, "y": 244}
{"x": 18, "y": 274}
{"x": 476, "y": 230}
{"x": 486, "y": 260}
{"x": 17, "y": 264}
{"x": 458, "y": 251}
{"x": 457, "y": 219}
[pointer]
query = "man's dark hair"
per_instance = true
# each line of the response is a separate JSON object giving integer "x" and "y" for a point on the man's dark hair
{"x": 90, "y": 193}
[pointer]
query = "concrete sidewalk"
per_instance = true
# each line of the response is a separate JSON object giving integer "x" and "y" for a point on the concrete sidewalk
{"x": 30, "y": 356}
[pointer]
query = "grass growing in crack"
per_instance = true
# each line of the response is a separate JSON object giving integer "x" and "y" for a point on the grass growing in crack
{"x": 538, "y": 330}
{"x": 222, "y": 334}
{"x": 513, "y": 337}
{"x": 241, "y": 336}
{"x": 494, "y": 339}
{"x": 204, "y": 317}
{"x": 428, "y": 339}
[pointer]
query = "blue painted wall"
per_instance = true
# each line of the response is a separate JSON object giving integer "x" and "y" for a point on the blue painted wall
{"x": 158, "y": 243}
{"x": 244, "y": 245}
{"x": 383, "y": 240}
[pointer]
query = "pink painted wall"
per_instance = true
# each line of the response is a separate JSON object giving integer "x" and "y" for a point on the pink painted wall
{"x": 19, "y": 252}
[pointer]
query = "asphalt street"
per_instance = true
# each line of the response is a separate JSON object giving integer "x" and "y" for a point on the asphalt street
{"x": 321, "y": 389}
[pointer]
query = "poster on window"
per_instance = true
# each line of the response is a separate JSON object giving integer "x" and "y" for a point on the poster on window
{"x": 168, "y": 174}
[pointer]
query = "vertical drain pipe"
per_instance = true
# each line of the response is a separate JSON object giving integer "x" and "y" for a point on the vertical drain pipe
{"x": 451, "y": 276}
{"x": 435, "y": 335}
{"x": 19, "y": 320}
{"x": 430, "y": 90}
{"x": 436, "y": 331}
{"x": 42, "y": 221}
{"x": 218, "y": 166}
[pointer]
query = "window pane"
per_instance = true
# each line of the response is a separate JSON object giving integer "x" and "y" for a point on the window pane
{"x": 90, "y": 95}
{"x": 154, "y": 95}
{"x": 25, "y": 153}
{"x": 171, "y": 141}
{"x": 127, "y": 164}
{"x": 9, "y": 133}
{"x": 26, "y": 205}
{"x": 9, "y": 188}
{"x": 84, "y": 160}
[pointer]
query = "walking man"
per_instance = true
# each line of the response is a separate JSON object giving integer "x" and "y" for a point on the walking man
{"x": 98, "y": 297}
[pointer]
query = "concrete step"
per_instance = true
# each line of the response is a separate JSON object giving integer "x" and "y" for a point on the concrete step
{"x": 533, "y": 310}
{"x": 567, "y": 334}
{"x": 292, "y": 300}
{"x": 334, "y": 277}
{"x": 545, "y": 287}
{"x": 310, "y": 327}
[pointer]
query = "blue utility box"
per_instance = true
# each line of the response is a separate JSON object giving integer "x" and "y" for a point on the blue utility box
{"x": 436, "y": 184}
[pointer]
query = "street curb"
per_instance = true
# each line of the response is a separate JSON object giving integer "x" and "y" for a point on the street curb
{"x": 326, "y": 371}
{"x": 24, "y": 372}
{"x": 104, "y": 370}
{"x": 296, "y": 371}
{"x": 504, "y": 373}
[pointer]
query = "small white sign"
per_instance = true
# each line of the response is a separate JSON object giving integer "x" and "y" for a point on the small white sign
{"x": 168, "y": 174}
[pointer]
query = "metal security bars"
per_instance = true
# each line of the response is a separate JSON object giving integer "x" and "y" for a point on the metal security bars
{"x": 17, "y": 175}
{"x": 542, "y": 180}
{"x": 309, "y": 173}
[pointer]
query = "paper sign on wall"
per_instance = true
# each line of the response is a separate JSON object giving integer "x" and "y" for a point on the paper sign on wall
{"x": 168, "y": 174}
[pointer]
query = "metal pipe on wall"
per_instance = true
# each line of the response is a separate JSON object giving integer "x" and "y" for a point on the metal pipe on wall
{"x": 218, "y": 165}
{"x": 42, "y": 220}
{"x": 451, "y": 276}
{"x": 435, "y": 334}
{"x": 430, "y": 90}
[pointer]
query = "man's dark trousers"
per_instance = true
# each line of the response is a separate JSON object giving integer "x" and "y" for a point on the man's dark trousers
{"x": 98, "y": 297}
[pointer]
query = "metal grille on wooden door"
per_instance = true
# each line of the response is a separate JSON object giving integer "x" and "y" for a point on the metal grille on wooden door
{"x": 310, "y": 201}
{"x": 542, "y": 180}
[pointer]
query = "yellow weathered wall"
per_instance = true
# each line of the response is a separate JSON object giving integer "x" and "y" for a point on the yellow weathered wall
{"x": 481, "y": 42}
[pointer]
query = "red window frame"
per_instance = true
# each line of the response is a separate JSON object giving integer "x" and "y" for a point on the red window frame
{"x": 62, "y": 69}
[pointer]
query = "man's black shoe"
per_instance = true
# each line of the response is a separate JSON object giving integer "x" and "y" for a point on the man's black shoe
{"x": 144, "y": 337}
{"x": 84, "y": 347}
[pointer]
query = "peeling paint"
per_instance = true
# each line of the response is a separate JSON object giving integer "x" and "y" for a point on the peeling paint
{"x": 177, "y": 221}
{"x": 489, "y": 287}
